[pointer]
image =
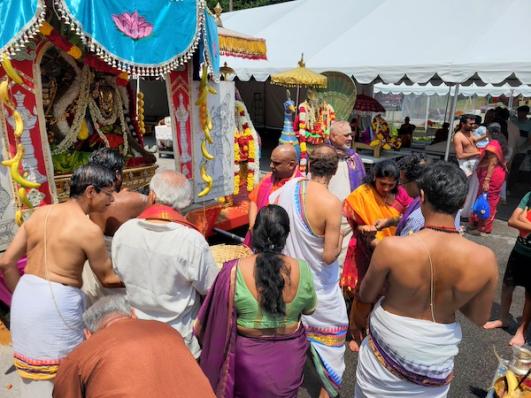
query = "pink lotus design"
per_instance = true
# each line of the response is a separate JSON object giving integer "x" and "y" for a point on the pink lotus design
{"x": 133, "y": 25}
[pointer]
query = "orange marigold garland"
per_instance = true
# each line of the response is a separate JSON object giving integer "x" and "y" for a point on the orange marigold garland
{"x": 236, "y": 164}
{"x": 244, "y": 150}
{"x": 52, "y": 35}
{"x": 251, "y": 164}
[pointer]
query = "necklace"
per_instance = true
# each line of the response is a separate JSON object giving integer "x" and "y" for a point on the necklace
{"x": 441, "y": 228}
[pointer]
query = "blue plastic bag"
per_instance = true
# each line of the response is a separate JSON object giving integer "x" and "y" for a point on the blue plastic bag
{"x": 481, "y": 207}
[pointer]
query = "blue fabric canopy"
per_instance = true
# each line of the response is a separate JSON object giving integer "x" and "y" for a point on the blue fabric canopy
{"x": 142, "y": 37}
{"x": 212, "y": 43}
{"x": 19, "y": 21}
{"x": 145, "y": 37}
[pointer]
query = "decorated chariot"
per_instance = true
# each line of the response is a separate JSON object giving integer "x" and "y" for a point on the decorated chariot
{"x": 67, "y": 88}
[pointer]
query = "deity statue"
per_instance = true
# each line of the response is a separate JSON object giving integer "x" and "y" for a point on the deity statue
{"x": 315, "y": 118}
{"x": 105, "y": 99}
{"x": 288, "y": 135}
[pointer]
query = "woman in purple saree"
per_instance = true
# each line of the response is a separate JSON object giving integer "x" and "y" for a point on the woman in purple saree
{"x": 253, "y": 344}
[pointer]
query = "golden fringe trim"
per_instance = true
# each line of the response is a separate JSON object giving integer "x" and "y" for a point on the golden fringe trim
{"x": 35, "y": 372}
{"x": 246, "y": 48}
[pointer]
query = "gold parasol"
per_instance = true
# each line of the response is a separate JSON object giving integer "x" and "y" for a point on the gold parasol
{"x": 236, "y": 44}
{"x": 299, "y": 77}
{"x": 226, "y": 71}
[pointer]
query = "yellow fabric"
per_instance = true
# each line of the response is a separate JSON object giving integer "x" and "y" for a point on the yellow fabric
{"x": 243, "y": 46}
{"x": 35, "y": 372}
{"x": 300, "y": 76}
{"x": 364, "y": 205}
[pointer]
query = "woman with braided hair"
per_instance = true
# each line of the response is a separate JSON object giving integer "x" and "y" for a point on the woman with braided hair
{"x": 250, "y": 323}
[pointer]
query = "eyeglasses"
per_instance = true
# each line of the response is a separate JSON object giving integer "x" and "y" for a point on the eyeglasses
{"x": 108, "y": 193}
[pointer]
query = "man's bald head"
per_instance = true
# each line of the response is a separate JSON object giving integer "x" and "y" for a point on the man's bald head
{"x": 323, "y": 161}
{"x": 172, "y": 189}
{"x": 286, "y": 151}
{"x": 283, "y": 161}
{"x": 341, "y": 134}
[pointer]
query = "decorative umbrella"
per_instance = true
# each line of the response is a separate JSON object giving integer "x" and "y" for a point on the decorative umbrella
{"x": 226, "y": 70}
{"x": 364, "y": 103}
{"x": 236, "y": 44}
{"x": 300, "y": 76}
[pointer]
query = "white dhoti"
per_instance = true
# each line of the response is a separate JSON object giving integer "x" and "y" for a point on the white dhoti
{"x": 469, "y": 167}
{"x": 46, "y": 325}
{"x": 406, "y": 357}
{"x": 92, "y": 286}
{"x": 326, "y": 328}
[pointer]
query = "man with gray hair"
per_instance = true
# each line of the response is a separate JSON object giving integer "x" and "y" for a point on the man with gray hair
{"x": 349, "y": 175}
{"x": 127, "y": 357}
{"x": 163, "y": 260}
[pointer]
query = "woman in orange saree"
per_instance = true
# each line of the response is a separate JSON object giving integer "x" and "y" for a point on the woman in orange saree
{"x": 378, "y": 198}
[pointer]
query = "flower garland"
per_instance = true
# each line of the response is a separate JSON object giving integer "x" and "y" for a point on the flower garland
{"x": 60, "y": 107}
{"x": 304, "y": 153}
{"x": 251, "y": 164}
{"x": 71, "y": 132}
{"x": 237, "y": 167}
{"x": 51, "y": 34}
{"x": 244, "y": 152}
{"x": 59, "y": 41}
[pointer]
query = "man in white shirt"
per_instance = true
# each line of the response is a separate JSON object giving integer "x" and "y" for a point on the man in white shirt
{"x": 164, "y": 262}
{"x": 349, "y": 175}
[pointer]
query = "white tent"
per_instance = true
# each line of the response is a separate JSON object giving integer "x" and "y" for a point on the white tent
{"x": 443, "y": 90}
{"x": 454, "y": 41}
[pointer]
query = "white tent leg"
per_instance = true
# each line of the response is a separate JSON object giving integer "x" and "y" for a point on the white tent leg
{"x": 426, "y": 116}
{"x": 448, "y": 96}
{"x": 451, "y": 120}
{"x": 511, "y": 98}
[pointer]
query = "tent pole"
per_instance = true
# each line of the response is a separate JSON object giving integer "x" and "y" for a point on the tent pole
{"x": 297, "y": 103}
{"x": 447, "y": 101}
{"x": 450, "y": 130}
{"x": 511, "y": 98}
{"x": 427, "y": 115}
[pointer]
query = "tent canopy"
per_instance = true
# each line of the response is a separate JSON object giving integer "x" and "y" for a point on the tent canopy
{"x": 443, "y": 89}
{"x": 414, "y": 40}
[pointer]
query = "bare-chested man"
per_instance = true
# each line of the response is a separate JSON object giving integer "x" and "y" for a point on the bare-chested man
{"x": 468, "y": 157}
{"x": 126, "y": 204}
{"x": 47, "y": 301}
{"x": 428, "y": 276}
{"x": 315, "y": 219}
